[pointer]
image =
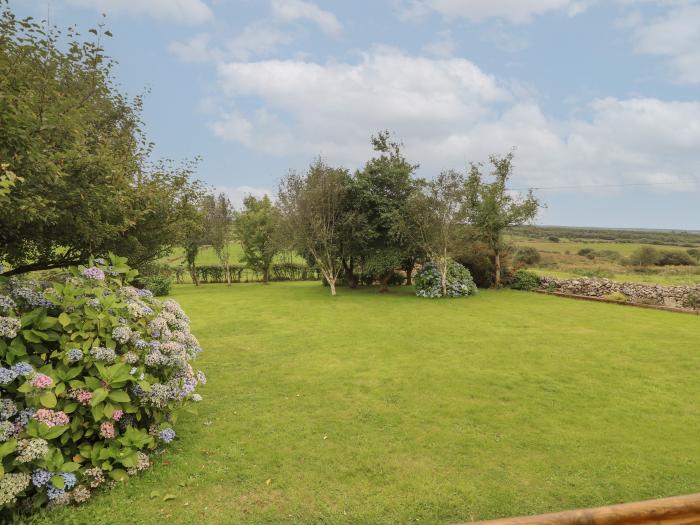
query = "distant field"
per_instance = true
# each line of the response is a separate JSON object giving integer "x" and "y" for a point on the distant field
{"x": 668, "y": 279}
{"x": 563, "y": 246}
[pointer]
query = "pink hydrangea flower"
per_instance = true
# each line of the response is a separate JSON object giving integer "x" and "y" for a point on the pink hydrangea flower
{"x": 51, "y": 418}
{"x": 41, "y": 381}
{"x": 81, "y": 395}
{"x": 107, "y": 430}
{"x": 117, "y": 415}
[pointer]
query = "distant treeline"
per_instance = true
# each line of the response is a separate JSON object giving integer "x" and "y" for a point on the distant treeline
{"x": 686, "y": 239}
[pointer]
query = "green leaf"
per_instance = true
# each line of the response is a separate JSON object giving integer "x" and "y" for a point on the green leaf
{"x": 30, "y": 336}
{"x": 119, "y": 396}
{"x": 70, "y": 408}
{"x": 53, "y": 432}
{"x": 48, "y": 399}
{"x": 97, "y": 412}
{"x": 168, "y": 497}
{"x": 118, "y": 474}
{"x": 60, "y": 388}
{"x": 58, "y": 482}
{"x": 8, "y": 447}
{"x": 64, "y": 319}
{"x": 70, "y": 466}
{"x": 155, "y": 494}
{"x": 98, "y": 396}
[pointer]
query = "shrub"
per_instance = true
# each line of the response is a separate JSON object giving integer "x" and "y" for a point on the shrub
{"x": 553, "y": 238}
{"x": 676, "y": 258}
{"x": 478, "y": 260}
{"x": 459, "y": 281}
{"x": 616, "y": 296}
{"x": 585, "y": 252}
{"x": 158, "y": 284}
{"x": 524, "y": 280}
{"x": 529, "y": 256}
{"x": 91, "y": 370}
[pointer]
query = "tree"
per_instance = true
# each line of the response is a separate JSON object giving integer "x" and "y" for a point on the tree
{"x": 76, "y": 144}
{"x": 219, "y": 224}
{"x": 492, "y": 209}
{"x": 314, "y": 207}
{"x": 192, "y": 231}
{"x": 645, "y": 256}
{"x": 257, "y": 228}
{"x": 381, "y": 191}
{"x": 437, "y": 214}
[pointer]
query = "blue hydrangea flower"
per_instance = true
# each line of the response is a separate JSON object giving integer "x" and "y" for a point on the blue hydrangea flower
{"x": 23, "y": 369}
{"x": 201, "y": 377}
{"x": 53, "y": 493}
{"x": 41, "y": 477}
{"x": 7, "y": 375}
{"x": 166, "y": 435}
{"x": 69, "y": 479}
{"x": 6, "y": 303}
{"x": 74, "y": 355}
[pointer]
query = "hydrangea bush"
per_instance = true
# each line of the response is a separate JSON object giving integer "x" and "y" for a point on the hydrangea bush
{"x": 91, "y": 370}
{"x": 459, "y": 281}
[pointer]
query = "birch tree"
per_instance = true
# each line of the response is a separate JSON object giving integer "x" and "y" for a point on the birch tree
{"x": 313, "y": 207}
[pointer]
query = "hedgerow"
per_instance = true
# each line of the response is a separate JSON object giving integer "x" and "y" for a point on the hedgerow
{"x": 91, "y": 370}
{"x": 459, "y": 281}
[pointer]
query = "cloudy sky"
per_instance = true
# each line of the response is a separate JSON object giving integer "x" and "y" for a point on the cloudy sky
{"x": 599, "y": 98}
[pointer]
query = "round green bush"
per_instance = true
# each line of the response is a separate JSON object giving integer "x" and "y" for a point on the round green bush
{"x": 524, "y": 280}
{"x": 158, "y": 284}
{"x": 459, "y": 281}
{"x": 91, "y": 370}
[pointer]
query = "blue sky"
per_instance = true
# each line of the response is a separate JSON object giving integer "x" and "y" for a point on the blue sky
{"x": 600, "y": 98}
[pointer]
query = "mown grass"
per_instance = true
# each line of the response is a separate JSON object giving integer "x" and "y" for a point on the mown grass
{"x": 370, "y": 409}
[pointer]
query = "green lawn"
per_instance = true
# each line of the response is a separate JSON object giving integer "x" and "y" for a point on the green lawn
{"x": 564, "y": 245}
{"x": 367, "y": 408}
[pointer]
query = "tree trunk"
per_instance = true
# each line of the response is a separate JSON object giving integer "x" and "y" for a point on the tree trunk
{"x": 193, "y": 275}
{"x": 350, "y": 277}
{"x": 266, "y": 275}
{"x": 409, "y": 275}
{"x": 228, "y": 274}
{"x": 443, "y": 278}
{"x": 385, "y": 282}
{"x": 497, "y": 283}
{"x": 331, "y": 283}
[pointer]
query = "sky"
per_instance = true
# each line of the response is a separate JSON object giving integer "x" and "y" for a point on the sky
{"x": 598, "y": 99}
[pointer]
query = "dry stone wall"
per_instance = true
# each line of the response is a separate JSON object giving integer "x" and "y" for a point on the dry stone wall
{"x": 686, "y": 296}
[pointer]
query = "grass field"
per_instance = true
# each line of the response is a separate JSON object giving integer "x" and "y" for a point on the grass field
{"x": 563, "y": 246}
{"x": 370, "y": 409}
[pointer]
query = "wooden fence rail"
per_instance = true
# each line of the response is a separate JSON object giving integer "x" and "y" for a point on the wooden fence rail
{"x": 680, "y": 510}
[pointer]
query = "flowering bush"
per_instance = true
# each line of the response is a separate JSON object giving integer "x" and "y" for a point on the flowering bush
{"x": 91, "y": 370}
{"x": 459, "y": 281}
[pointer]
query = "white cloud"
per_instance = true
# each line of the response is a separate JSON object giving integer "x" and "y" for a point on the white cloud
{"x": 443, "y": 46}
{"x": 448, "y": 112}
{"x": 236, "y": 194}
{"x": 292, "y": 10}
{"x": 182, "y": 11}
{"x": 196, "y": 49}
{"x": 515, "y": 11}
{"x": 675, "y": 35}
{"x": 258, "y": 38}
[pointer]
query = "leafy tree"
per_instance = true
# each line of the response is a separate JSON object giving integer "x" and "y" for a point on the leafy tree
{"x": 492, "y": 209}
{"x": 257, "y": 227}
{"x": 645, "y": 256}
{"x": 193, "y": 230}
{"x": 381, "y": 191}
{"x": 438, "y": 214}
{"x": 219, "y": 224}
{"x": 76, "y": 144}
{"x": 314, "y": 207}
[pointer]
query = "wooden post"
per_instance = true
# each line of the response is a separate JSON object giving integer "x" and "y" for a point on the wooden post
{"x": 680, "y": 510}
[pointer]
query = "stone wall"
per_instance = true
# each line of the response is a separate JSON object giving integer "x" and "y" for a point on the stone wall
{"x": 672, "y": 296}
